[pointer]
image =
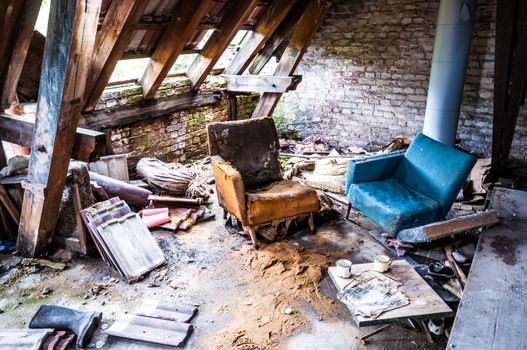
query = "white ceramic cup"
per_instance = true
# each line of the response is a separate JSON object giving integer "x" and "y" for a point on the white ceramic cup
{"x": 344, "y": 268}
{"x": 381, "y": 263}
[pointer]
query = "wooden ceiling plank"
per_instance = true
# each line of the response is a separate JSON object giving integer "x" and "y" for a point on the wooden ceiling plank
{"x": 293, "y": 53}
{"x": 58, "y": 112}
{"x": 185, "y": 21}
{"x": 219, "y": 41}
{"x": 253, "y": 42}
{"x": 111, "y": 42}
{"x": 19, "y": 47}
{"x": 283, "y": 31}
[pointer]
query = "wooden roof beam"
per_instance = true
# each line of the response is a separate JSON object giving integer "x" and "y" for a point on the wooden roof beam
{"x": 187, "y": 16}
{"x": 219, "y": 41}
{"x": 111, "y": 42}
{"x": 64, "y": 73}
{"x": 255, "y": 40}
{"x": 283, "y": 31}
{"x": 292, "y": 55}
{"x": 261, "y": 83}
{"x": 17, "y": 51}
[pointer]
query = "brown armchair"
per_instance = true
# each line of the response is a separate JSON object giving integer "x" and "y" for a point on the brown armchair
{"x": 248, "y": 178}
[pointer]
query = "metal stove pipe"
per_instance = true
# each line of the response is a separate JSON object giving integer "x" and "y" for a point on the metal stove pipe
{"x": 449, "y": 63}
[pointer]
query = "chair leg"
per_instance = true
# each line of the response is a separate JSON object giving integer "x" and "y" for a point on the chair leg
{"x": 311, "y": 222}
{"x": 251, "y": 230}
{"x": 225, "y": 214}
{"x": 348, "y": 213}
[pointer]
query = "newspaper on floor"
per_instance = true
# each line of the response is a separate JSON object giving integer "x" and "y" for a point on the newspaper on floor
{"x": 372, "y": 293}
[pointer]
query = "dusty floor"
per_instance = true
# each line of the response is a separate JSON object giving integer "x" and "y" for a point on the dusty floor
{"x": 241, "y": 293}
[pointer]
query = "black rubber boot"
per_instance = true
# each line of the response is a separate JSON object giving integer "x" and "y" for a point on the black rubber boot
{"x": 61, "y": 318}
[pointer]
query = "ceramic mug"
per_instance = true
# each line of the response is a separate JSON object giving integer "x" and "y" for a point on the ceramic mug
{"x": 381, "y": 263}
{"x": 344, "y": 268}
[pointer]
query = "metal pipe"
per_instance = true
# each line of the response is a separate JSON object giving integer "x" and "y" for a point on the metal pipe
{"x": 447, "y": 78}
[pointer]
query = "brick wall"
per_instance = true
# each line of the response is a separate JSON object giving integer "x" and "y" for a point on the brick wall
{"x": 176, "y": 137}
{"x": 365, "y": 76}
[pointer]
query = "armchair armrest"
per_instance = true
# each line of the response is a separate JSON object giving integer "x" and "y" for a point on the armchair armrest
{"x": 230, "y": 188}
{"x": 373, "y": 168}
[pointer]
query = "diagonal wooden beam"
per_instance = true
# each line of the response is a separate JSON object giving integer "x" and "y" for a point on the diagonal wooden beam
{"x": 293, "y": 53}
{"x": 64, "y": 71}
{"x": 510, "y": 77}
{"x": 255, "y": 40}
{"x": 187, "y": 16}
{"x": 283, "y": 32}
{"x": 112, "y": 40}
{"x": 17, "y": 52}
{"x": 219, "y": 41}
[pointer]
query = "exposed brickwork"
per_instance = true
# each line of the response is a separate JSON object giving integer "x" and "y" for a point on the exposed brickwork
{"x": 365, "y": 76}
{"x": 245, "y": 105}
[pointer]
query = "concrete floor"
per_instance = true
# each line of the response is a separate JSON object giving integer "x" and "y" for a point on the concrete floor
{"x": 240, "y": 294}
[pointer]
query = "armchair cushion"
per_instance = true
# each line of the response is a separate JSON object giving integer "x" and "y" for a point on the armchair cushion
{"x": 279, "y": 200}
{"x": 393, "y": 205}
{"x": 251, "y": 146}
{"x": 436, "y": 170}
{"x": 373, "y": 168}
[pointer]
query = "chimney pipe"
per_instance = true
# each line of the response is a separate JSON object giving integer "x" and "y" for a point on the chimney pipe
{"x": 449, "y": 63}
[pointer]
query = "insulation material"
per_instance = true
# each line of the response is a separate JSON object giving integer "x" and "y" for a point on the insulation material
{"x": 174, "y": 179}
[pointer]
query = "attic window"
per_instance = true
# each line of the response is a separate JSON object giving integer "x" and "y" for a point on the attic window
{"x": 182, "y": 63}
{"x": 43, "y": 16}
{"x": 129, "y": 69}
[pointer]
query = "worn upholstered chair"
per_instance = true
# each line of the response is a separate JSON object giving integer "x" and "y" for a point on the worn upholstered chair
{"x": 405, "y": 189}
{"x": 248, "y": 178}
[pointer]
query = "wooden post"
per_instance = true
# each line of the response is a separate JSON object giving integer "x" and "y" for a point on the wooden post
{"x": 69, "y": 45}
{"x": 18, "y": 48}
{"x": 254, "y": 41}
{"x": 292, "y": 55}
{"x": 218, "y": 42}
{"x": 510, "y": 77}
{"x": 186, "y": 18}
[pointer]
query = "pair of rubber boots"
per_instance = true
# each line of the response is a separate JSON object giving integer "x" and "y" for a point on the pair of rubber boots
{"x": 83, "y": 324}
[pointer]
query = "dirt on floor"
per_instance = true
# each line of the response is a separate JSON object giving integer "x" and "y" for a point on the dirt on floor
{"x": 278, "y": 297}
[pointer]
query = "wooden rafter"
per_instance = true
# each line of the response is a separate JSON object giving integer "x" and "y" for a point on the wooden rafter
{"x": 111, "y": 42}
{"x": 254, "y": 41}
{"x": 283, "y": 31}
{"x": 292, "y": 55}
{"x": 510, "y": 76}
{"x": 187, "y": 16}
{"x": 17, "y": 51}
{"x": 219, "y": 41}
{"x": 261, "y": 83}
{"x": 64, "y": 72}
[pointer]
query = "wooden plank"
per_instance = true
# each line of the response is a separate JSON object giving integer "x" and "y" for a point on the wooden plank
{"x": 146, "y": 109}
{"x": 111, "y": 42}
{"x": 449, "y": 227}
{"x": 293, "y": 53}
{"x": 218, "y": 42}
{"x": 88, "y": 145}
{"x": 492, "y": 314}
{"x": 58, "y": 112}
{"x": 255, "y": 40}
{"x": 18, "y": 50}
{"x": 425, "y": 303}
{"x": 187, "y": 16}
{"x": 8, "y": 204}
{"x": 283, "y": 32}
{"x": 166, "y": 311}
{"x": 510, "y": 76}
{"x": 9, "y": 13}
{"x": 150, "y": 330}
{"x": 261, "y": 83}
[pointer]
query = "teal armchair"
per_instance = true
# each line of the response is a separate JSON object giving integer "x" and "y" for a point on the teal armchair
{"x": 405, "y": 189}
